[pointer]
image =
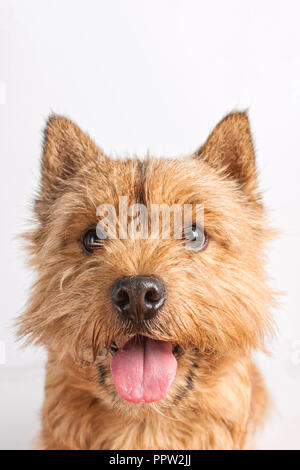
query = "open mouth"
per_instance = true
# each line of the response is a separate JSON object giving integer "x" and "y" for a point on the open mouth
{"x": 143, "y": 369}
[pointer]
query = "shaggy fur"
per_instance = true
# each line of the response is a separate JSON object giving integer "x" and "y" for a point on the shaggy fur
{"x": 217, "y": 306}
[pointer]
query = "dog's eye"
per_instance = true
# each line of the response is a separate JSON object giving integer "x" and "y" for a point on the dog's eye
{"x": 90, "y": 240}
{"x": 196, "y": 238}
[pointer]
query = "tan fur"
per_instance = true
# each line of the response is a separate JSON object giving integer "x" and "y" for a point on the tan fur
{"x": 217, "y": 306}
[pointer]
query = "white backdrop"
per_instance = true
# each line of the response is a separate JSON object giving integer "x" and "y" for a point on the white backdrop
{"x": 153, "y": 75}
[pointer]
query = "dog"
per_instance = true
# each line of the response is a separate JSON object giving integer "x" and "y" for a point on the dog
{"x": 149, "y": 338}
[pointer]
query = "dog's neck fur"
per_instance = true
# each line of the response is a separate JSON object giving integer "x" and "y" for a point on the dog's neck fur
{"x": 73, "y": 418}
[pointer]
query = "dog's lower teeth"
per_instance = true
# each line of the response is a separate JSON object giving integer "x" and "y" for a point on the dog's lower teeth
{"x": 113, "y": 350}
{"x": 177, "y": 351}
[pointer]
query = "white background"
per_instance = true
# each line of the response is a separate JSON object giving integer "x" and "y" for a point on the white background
{"x": 152, "y": 75}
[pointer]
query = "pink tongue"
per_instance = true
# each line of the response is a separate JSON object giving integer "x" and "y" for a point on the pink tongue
{"x": 143, "y": 371}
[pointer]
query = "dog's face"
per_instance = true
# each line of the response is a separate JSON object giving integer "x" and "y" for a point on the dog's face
{"x": 137, "y": 317}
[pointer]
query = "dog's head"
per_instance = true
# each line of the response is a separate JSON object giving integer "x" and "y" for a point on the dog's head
{"x": 134, "y": 313}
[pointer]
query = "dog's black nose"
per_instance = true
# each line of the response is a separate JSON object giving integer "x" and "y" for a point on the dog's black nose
{"x": 138, "y": 298}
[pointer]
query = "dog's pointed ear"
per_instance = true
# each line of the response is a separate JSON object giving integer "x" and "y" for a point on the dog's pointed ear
{"x": 230, "y": 150}
{"x": 66, "y": 149}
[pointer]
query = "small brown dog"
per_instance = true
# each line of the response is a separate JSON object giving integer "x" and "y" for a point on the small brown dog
{"x": 149, "y": 339}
